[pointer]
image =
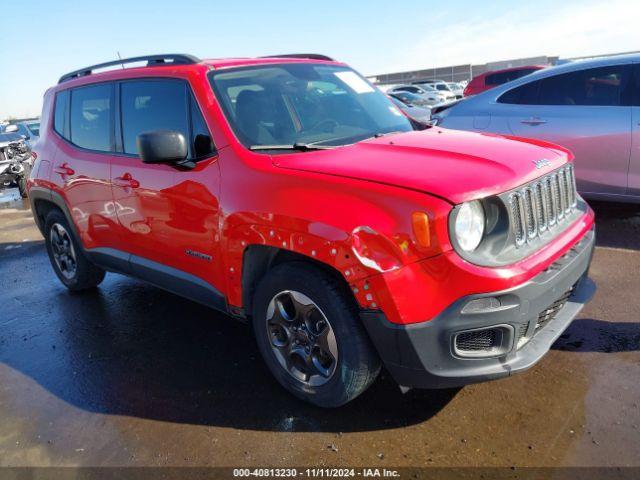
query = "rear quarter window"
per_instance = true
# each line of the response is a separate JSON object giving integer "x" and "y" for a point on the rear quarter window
{"x": 61, "y": 114}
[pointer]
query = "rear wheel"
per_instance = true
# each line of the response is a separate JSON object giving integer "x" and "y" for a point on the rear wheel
{"x": 308, "y": 331}
{"x": 69, "y": 263}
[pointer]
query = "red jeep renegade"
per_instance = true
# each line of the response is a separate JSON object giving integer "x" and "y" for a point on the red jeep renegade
{"x": 289, "y": 192}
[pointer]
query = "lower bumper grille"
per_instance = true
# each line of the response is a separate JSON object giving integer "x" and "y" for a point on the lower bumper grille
{"x": 483, "y": 340}
{"x": 544, "y": 317}
{"x": 550, "y": 313}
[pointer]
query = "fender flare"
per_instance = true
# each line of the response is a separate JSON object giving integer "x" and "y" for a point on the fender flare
{"x": 41, "y": 194}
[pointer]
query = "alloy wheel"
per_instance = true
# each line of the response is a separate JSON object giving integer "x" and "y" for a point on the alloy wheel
{"x": 63, "y": 252}
{"x": 301, "y": 338}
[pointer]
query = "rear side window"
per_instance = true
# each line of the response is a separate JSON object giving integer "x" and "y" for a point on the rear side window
{"x": 504, "y": 77}
{"x": 61, "y": 114}
{"x": 152, "y": 105}
{"x": 604, "y": 86}
{"x": 90, "y": 117}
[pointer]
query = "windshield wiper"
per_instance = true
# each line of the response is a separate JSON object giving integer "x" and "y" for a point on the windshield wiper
{"x": 302, "y": 147}
{"x": 384, "y": 134}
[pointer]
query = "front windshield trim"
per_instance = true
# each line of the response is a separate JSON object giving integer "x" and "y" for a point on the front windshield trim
{"x": 403, "y": 124}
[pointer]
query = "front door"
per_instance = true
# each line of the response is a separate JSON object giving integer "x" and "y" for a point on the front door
{"x": 168, "y": 215}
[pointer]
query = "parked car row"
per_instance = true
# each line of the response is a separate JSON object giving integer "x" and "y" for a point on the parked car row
{"x": 421, "y": 114}
{"x": 428, "y": 93}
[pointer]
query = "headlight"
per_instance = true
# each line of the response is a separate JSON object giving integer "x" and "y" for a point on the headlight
{"x": 469, "y": 225}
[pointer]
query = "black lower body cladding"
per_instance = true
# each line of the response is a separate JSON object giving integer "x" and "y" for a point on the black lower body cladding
{"x": 459, "y": 346}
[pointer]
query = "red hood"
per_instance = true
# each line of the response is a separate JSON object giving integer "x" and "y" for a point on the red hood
{"x": 454, "y": 165}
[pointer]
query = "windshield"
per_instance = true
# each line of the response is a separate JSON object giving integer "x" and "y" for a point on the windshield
{"x": 427, "y": 87}
{"x": 303, "y": 103}
{"x": 408, "y": 96}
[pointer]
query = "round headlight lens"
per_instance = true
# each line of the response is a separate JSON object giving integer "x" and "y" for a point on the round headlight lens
{"x": 469, "y": 226}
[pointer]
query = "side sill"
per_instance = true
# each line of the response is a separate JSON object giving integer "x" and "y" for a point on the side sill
{"x": 162, "y": 276}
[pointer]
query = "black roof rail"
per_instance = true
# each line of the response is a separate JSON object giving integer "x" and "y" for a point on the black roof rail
{"x": 311, "y": 56}
{"x": 152, "y": 60}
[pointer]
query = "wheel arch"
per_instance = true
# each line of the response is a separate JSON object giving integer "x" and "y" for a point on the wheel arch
{"x": 258, "y": 260}
{"x": 42, "y": 201}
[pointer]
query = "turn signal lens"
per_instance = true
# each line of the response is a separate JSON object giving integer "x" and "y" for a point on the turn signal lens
{"x": 420, "y": 223}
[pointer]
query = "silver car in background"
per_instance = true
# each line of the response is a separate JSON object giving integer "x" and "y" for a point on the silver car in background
{"x": 420, "y": 114}
{"x": 591, "y": 107}
{"x": 441, "y": 87}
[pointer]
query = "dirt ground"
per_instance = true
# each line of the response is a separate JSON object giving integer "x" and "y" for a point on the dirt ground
{"x": 129, "y": 375}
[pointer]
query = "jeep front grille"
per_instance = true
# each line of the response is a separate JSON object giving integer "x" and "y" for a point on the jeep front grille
{"x": 542, "y": 204}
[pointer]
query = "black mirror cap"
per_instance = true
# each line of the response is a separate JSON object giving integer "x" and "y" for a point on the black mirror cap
{"x": 162, "y": 146}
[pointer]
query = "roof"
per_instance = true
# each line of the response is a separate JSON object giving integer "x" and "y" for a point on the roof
{"x": 176, "y": 60}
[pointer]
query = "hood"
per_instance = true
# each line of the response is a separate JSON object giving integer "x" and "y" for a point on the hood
{"x": 454, "y": 165}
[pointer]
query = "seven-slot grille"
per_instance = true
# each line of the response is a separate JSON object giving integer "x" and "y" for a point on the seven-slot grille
{"x": 542, "y": 204}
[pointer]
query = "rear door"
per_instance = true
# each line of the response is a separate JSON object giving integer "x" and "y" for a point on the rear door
{"x": 83, "y": 122}
{"x": 168, "y": 215}
{"x": 587, "y": 111}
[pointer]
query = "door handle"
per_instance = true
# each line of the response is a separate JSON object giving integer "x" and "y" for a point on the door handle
{"x": 533, "y": 121}
{"x": 64, "y": 169}
{"x": 126, "y": 180}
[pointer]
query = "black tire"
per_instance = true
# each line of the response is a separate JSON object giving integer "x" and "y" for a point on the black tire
{"x": 86, "y": 275}
{"x": 357, "y": 365}
{"x": 22, "y": 186}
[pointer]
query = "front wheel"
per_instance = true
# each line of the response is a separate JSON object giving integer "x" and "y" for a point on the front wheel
{"x": 308, "y": 331}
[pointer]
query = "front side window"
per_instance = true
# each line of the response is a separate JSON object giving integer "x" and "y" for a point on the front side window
{"x": 201, "y": 142}
{"x": 303, "y": 103}
{"x": 150, "y": 105}
{"x": 90, "y": 117}
{"x": 604, "y": 86}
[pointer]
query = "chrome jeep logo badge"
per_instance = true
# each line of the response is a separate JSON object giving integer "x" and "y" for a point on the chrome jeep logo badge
{"x": 541, "y": 163}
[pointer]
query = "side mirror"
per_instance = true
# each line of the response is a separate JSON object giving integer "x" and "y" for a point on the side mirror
{"x": 162, "y": 146}
{"x": 11, "y": 128}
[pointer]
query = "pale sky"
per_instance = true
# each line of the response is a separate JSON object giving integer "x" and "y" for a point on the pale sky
{"x": 49, "y": 38}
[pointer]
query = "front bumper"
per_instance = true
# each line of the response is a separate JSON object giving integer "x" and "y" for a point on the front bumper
{"x": 424, "y": 355}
